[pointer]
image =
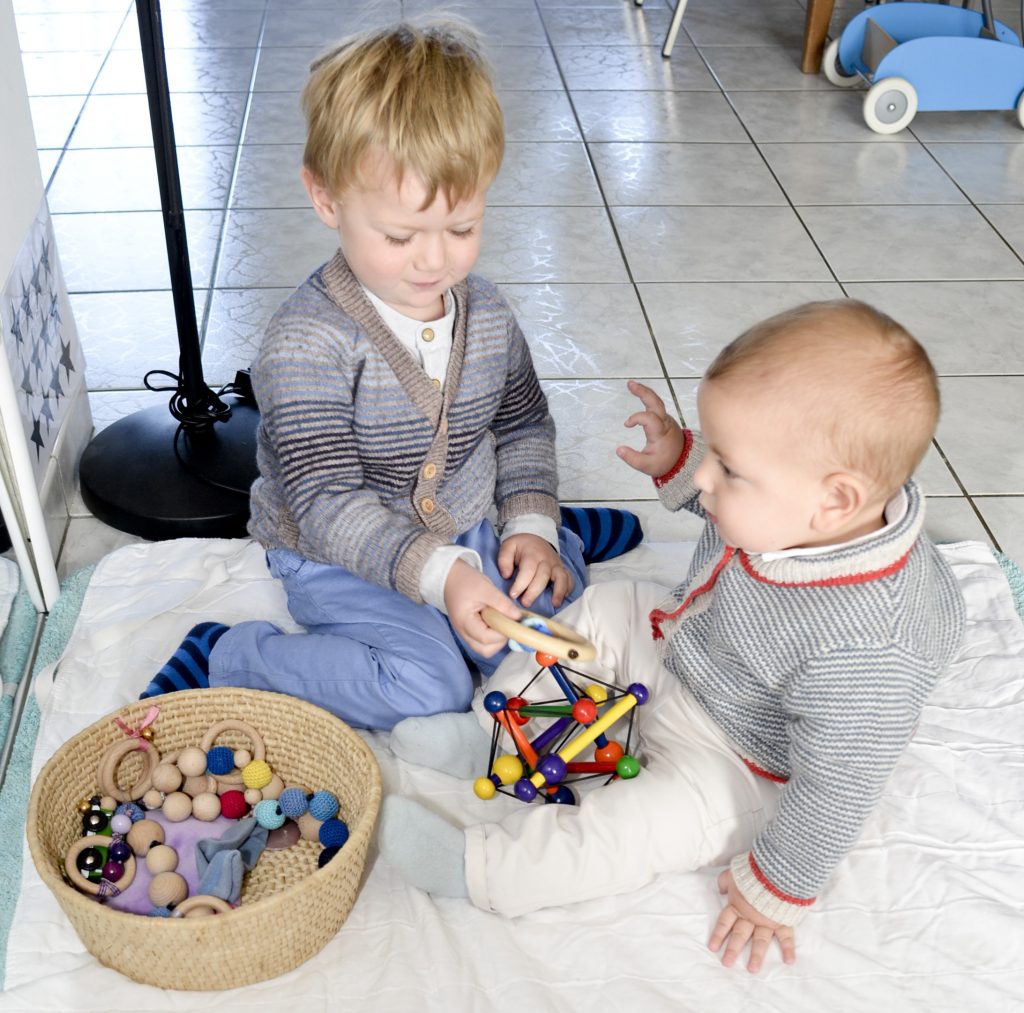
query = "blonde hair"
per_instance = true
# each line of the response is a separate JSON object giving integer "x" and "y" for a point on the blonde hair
{"x": 864, "y": 389}
{"x": 420, "y": 95}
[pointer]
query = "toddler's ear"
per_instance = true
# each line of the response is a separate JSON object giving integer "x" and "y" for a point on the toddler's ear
{"x": 843, "y": 497}
{"x": 321, "y": 197}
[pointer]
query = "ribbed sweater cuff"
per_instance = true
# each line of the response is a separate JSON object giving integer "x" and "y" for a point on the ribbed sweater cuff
{"x": 760, "y": 895}
{"x": 675, "y": 487}
{"x": 410, "y": 566}
{"x": 528, "y": 503}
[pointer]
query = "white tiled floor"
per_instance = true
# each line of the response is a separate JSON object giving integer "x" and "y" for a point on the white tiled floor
{"x": 646, "y": 212}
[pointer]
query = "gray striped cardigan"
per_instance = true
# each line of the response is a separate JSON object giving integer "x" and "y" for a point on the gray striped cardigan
{"x": 817, "y": 668}
{"x": 363, "y": 462}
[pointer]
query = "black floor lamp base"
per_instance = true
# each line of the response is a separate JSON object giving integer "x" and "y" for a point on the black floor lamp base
{"x": 133, "y": 479}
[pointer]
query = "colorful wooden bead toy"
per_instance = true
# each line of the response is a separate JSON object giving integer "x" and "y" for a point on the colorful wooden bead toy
{"x": 540, "y": 766}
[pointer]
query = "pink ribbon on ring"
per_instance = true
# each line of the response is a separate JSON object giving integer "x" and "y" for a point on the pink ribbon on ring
{"x": 136, "y": 733}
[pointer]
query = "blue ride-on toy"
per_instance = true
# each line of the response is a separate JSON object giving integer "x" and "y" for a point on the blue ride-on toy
{"x": 927, "y": 56}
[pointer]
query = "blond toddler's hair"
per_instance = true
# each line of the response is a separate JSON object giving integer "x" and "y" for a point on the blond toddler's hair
{"x": 420, "y": 95}
{"x": 859, "y": 386}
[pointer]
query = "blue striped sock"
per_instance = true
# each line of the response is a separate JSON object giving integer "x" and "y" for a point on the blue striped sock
{"x": 605, "y": 533}
{"x": 189, "y": 666}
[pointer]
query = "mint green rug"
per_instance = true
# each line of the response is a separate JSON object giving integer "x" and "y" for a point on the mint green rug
{"x": 14, "y": 795}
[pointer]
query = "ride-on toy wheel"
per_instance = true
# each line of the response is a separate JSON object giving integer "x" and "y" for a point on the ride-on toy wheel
{"x": 890, "y": 105}
{"x": 832, "y": 70}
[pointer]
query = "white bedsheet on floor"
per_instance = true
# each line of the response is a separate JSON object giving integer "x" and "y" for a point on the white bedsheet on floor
{"x": 926, "y": 913}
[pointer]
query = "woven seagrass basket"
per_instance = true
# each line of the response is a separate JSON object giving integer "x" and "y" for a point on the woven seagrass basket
{"x": 290, "y": 909}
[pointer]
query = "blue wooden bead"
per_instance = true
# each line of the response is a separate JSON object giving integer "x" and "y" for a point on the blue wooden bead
{"x": 323, "y": 806}
{"x": 268, "y": 814}
{"x": 294, "y": 802}
{"x": 220, "y": 760}
{"x": 495, "y": 701}
{"x": 333, "y": 833}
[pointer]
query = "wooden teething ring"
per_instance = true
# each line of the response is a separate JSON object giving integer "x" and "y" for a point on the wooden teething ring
{"x": 565, "y": 643}
{"x": 201, "y": 904}
{"x": 75, "y": 874}
{"x": 259, "y": 750}
{"x": 114, "y": 755}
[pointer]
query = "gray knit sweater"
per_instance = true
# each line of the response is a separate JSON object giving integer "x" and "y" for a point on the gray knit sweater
{"x": 363, "y": 462}
{"x": 816, "y": 667}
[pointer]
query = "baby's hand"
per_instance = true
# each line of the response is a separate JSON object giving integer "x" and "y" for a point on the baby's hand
{"x": 664, "y": 435}
{"x": 466, "y": 593}
{"x": 740, "y": 922}
{"x": 536, "y": 563}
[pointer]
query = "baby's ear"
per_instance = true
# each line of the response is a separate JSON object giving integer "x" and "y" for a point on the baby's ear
{"x": 321, "y": 198}
{"x": 843, "y": 497}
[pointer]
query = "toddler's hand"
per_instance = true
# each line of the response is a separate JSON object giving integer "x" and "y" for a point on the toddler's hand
{"x": 740, "y": 922}
{"x": 536, "y": 563}
{"x": 466, "y": 593}
{"x": 664, "y": 435}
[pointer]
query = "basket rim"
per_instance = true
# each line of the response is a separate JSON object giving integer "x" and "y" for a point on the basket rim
{"x": 357, "y": 844}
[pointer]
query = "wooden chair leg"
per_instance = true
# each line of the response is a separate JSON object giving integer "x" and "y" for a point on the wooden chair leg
{"x": 819, "y": 14}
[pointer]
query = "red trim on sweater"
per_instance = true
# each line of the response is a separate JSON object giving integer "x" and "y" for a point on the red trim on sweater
{"x": 774, "y": 890}
{"x": 852, "y": 578}
{"x": 658, "y": 616}
{"x": 761, "y": 772}
{"x": 680, "y": 464}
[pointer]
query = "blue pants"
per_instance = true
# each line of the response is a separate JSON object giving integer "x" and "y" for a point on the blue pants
{"x": 369, "y": 654}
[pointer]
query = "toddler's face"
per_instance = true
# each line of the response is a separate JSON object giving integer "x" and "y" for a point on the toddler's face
{"x": 758, "y": 481}
{"x": 406, "y": 256}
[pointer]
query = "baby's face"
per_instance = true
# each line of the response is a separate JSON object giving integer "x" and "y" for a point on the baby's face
{"x": 760, "y": 481}
{"x": 407, "y": 255}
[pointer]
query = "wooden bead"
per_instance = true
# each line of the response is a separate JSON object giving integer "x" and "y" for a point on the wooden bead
{"x": 309, "y": 827}
{"x": 109, "y": 803}
{"x": 153, "y": 799}
{"x": 167, "y": 888}
{"x": 274, "y": 789}
{"x": 242, "y": 757}
{"x": 167, "y": 777}
{"x": 177, "y": 807}
{"x": 161, "y": 859}
{"x": 206, "y": 806}
{"x": 197, "y": 785}
{"x": 253, "y": 796}
{"x": 144, "y": 835}
{"x": 192, "y": 761}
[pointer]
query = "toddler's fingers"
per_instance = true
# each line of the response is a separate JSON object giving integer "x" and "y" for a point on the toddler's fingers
{"x": 787, "y": 940}
{"x": 538, "y": 582}
{"x": 561, "y": 585}
{"x": 637, "y": 460}
{"x": 506, "y": 559}
{"x": 726, "y": 919}
{"x": 740, "y": 935}
{"x": 651, "y": 400}
{"x": 759, "y": 947}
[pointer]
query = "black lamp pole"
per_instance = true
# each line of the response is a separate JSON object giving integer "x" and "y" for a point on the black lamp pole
{"x": 185, "y": 470}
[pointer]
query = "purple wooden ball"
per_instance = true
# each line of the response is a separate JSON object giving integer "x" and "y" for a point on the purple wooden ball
{"x": 524, "y": 790}
{"x": 552, "y": 767}
{"x": 639, "y": 690}
{"x": 113, "y": 871}
{"x": 121, "y": 823}
{"x": 120, "y": 852}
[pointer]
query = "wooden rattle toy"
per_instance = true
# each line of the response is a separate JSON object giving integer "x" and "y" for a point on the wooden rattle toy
{"x": 543, "y": 763}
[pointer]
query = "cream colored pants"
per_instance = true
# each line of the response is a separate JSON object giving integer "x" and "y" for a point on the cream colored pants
{"x": 694, "y": 804}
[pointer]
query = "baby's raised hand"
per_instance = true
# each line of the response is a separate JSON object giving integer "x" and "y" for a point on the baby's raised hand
{"x": 739, "y": 922}
{"x": 664, "y": 435}
{"x": 466, "y": 593}
{"x": 536, "y": 563}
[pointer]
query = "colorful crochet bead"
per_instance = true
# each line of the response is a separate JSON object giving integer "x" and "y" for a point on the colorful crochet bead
{"x": 333, "y": 833}
{"x": 257, "y": 774}
{"x": 131, "y": 810}
{"x": 294, "y": 803}
{"x": 268, "y": 814}
{"x": 233, "y": 805}
{"x": 220, "y": 760}
{"x": 323, "y": 805}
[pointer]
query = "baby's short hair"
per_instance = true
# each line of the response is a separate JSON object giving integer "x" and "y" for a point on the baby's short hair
{"x": 861, "y": 384}
{"x": 421, "y": 94}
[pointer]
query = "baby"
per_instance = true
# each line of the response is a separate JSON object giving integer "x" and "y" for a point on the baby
{"x": 786, "y": 674}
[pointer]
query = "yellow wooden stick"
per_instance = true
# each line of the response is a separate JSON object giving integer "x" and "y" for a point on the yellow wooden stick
{"x": 571, "y": 749}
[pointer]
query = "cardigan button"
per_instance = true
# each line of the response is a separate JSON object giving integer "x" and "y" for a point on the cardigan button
{"x": 437, "y": 383}
{"x": 429, "y": 470}
{"x": 427, "y": 334}
{"x": 427, "y": 505}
